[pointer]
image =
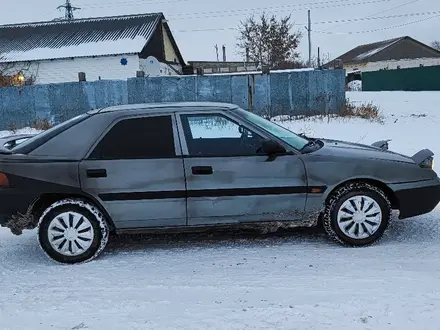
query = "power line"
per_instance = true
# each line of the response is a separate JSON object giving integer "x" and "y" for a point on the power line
{"x": 136, "y": 2}
{"x": 381, "y": 29}
{"x": 237, "y": 12}
{"x": 378, "y": 18}
{"x": 246, "y": 11}
{"x": 155, "y": 1}
{"x": 110, "y": 4}
{"x": 283, "y": 9}
{"x": 129, "y": 4}
{"x": 331, "y": 21}
{"x": 207, "y": 30}
{"x": 378, "y": 13}
{"x": 305, "y": 5}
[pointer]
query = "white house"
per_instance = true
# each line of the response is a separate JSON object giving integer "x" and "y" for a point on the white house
{"x": 398, "y": 53}
{"x": 102, "y": 48}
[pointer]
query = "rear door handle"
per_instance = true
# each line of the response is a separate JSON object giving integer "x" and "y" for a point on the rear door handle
{"x": 202, "y": 170}
{"x": 97, "y": 173}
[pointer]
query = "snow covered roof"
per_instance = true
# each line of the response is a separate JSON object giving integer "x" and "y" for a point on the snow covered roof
{"x": 392, "y": 49}
{"x": 77, "y": 38}
{"x": 363, "y": 52}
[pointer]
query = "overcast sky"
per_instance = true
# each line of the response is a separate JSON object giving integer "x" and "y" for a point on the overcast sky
{"x": 216, "y": 20}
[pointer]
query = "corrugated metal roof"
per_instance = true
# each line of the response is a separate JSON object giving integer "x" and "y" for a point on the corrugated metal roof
{"x": 363, "y": 52}
{"x": 392, "y": 49}
{"x": 78, "y": 38}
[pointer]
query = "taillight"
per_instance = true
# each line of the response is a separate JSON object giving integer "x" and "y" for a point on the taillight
{"x": 4, "y": 182}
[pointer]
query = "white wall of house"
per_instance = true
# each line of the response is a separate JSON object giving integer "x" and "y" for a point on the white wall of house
{"x": 162, "y": 69}
{"x": 393, "y": 64}
{"x": 100, "y": 67}
{"x": 66, "y": 70}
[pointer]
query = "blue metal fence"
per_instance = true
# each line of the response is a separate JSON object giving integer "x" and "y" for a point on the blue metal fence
{"x": 277, "y": 93}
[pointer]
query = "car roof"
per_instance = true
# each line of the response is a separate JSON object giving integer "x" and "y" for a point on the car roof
{"x": 165, "y": 106}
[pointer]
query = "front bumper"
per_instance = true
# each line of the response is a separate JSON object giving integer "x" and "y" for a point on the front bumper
{"x": 417, "y": 198}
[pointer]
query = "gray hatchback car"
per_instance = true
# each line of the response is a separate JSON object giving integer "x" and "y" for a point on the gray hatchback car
{"x": 193, "y": 166}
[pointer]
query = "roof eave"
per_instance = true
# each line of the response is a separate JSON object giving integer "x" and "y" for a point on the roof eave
{"x": 69, "y": 57}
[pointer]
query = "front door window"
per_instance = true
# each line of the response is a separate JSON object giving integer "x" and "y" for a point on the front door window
{"x": 214, "y": 135}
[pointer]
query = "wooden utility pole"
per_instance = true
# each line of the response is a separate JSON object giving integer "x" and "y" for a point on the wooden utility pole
{"x": 309, "y": 30}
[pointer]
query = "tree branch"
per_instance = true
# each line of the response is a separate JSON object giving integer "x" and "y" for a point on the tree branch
{"x": 269, "y": 41}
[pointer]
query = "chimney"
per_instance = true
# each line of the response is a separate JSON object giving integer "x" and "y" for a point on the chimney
{"x": 81, "y": 76}
{"x": 224, "y": 53}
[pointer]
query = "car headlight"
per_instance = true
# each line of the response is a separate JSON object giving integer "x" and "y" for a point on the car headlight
{"x": 428, "y": 163}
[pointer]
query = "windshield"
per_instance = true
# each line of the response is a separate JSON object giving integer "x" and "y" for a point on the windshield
{"x": 34, "y": 142}
{"x": 280, "y": 132}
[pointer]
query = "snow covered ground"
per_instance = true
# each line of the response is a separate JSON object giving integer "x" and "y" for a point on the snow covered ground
{"x": 296, "y": 281}
{"x": 355, "y": 86}
{"x": 26, "y": 130}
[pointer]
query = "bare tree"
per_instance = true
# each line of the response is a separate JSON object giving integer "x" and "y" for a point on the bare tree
{"x": 315, "y": 63}
{"x": 436, "y": 44}
{"x": 268, "y": 40}
{"x": 11, "y": 71}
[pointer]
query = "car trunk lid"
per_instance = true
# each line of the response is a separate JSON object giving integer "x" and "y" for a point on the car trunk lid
{"x": 5, "y": 151}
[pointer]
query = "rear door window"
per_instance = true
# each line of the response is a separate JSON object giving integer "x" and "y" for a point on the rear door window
{"x": 137, "y": 138}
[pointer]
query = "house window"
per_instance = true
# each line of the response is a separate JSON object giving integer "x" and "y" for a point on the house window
{"x": 14, "y": 80}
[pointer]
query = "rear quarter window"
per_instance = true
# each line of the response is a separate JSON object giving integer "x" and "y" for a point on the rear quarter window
{"x": 38, "y": 140}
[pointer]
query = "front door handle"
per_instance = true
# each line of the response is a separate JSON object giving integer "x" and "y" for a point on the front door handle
{"x": 202, "y": 170}
{"x": 96, "y": 173}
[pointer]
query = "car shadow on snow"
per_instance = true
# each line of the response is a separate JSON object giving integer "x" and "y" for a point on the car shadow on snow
{"x": 412, "y": 231}
{"x": 25, "y": 250}
{"x": 217, "y": 238}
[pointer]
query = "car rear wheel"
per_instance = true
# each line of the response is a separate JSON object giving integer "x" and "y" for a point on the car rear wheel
{"x": 357, "y": 214}
{"x": 72, "y": 231}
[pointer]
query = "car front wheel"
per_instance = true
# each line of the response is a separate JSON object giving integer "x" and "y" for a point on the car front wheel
{"x": 357, "y": 214}
{"x": 72, "y": 231}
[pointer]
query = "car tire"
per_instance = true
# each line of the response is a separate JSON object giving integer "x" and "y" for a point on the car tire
{"x": 72, "y": 231}
{"x": 357, "y": 214}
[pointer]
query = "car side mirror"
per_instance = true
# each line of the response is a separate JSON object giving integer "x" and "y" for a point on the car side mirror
{"x": 272, "y": 149}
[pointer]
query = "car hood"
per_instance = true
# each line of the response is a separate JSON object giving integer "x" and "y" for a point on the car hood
{"x": 350, "y": 149}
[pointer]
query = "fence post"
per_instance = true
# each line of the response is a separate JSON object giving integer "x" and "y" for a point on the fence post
{"x": 251, "y": 84}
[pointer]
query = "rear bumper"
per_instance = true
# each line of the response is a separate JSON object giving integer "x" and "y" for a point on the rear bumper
{"x": 3, "y": 219}
{"x": 13, "y": 203}
{"x": 417, "y": 198}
